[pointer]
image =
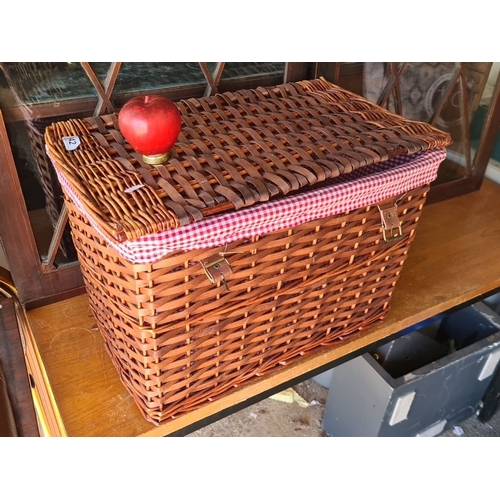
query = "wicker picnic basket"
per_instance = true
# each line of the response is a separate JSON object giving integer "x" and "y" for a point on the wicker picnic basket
{"x": 279, "y": 225}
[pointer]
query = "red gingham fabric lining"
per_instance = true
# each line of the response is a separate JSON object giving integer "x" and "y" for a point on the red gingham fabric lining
{"x": 362, "y": 187}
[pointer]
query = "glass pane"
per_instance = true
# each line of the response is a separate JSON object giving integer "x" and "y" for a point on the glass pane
{"x": 418, "y": 95}
{"x": 236, "y": 70}
{"x": 43, "y": 82}
{"x": 41, "y": 190}
{"x": 7, "y": 98}
{"x": 142, "y": 77}
{"x": 138, "y": 77}
{"x": 479, "y": 118}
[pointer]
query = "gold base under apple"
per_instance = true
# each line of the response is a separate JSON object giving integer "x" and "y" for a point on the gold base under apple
{"x": 155, "y": 159}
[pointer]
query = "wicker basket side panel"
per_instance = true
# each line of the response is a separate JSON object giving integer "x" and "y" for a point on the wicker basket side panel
{"x": 176, "y": 287}
{"x": 48, "y": 179}
{"x": 178, "y": 341}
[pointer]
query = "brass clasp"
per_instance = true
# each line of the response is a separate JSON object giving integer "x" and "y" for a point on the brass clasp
{"x": 217, "y": 269}
{"x": 391, "y": 225}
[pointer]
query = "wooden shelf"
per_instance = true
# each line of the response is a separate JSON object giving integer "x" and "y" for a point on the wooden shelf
{"x": 453, "y": 260}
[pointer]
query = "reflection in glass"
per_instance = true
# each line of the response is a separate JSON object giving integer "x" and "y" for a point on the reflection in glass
{"x": 41, "y": 190}
{"x": 137, "y": 77}
{"x": 434, "y": 93}
{"x": 235, "y": 70}
{"x": 46, "y": 82}
{"x": 41, "y": 82}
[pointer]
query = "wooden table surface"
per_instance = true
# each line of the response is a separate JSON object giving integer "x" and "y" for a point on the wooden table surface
{"x": 453, "y": 260}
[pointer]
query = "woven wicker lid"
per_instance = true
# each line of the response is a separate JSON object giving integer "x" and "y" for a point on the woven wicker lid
{"x": 235, "y": 150}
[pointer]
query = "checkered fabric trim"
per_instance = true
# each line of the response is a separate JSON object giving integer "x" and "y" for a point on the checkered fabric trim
{"x": 360, "y": 188}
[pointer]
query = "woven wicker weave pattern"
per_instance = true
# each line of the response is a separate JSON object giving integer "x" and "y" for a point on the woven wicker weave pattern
{"x": 234, "y": 150}
{"x": 178, "y": 341}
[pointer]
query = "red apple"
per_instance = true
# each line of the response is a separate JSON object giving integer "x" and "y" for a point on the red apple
{"x": 150, "y": 124}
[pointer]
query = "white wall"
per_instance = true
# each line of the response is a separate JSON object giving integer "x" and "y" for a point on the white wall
{"x": 493, "y": 170}
{"x": 488, "y": 91}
